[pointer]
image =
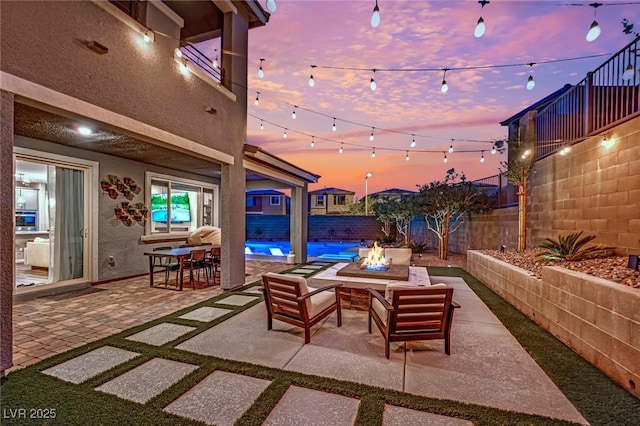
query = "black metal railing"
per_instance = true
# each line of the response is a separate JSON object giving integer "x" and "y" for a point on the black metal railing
{"x": 500, "y": 192}
{"x": 199, "y": 59}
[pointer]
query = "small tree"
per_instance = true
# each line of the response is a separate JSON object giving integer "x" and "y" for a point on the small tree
{"x": 383, "y": 213}
{"x": 447, "y": 204}
{"x": 517, "y": 172}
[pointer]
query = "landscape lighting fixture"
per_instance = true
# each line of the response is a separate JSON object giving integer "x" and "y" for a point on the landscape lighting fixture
{"x": 375, "y": 16}
{"x": 334, "y": 128}
{"x": 371, "y": 137}
{"x": 372, "y": 83}
{"x": 594, "y": 30}
{"x": 260, "y": 70}
{"x": 271, "y": 5}
{"x": 480, "y": 26}
{"x": 444, "y": 88}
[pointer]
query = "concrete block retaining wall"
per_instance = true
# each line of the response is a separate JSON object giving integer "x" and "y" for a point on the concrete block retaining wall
{"x": 276, "y": 227}
{"x": 597, "y": 318}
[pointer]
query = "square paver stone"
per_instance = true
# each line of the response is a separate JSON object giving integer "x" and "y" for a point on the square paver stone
{"x": 322, "y": 263}
{"x": 160, "y": 334}
{"x": 236, "y": 300}
{"x": 89, "y": 365}
{"x": 399, "y": 416}
{"x": 303, "y": 271}
{"x": 253, "y": 290}
{"x": 147, "y": 380}
{"x": 301, "y": 406}
{"x": 220, "y": 399}
{"x": 205, "y": 314}
{"x": 312, "y": 267}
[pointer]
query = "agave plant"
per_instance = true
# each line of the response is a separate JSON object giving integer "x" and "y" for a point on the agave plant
{"x": 572, "y": 247}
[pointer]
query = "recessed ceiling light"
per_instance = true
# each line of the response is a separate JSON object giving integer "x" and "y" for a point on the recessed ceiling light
{"x": 85, "y": 131}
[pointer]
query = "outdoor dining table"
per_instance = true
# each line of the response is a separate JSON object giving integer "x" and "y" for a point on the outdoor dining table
{"x": 179, "y": 253}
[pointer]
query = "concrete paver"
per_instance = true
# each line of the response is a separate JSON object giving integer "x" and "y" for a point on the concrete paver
{"x": 220, "y": 399}
{"x": 205, "y": 314}
{"x": 400, "y": 416}
{"x": 89, "y": 365}
{"x": 160, "y": 334}
{"x": 236, "y": 300}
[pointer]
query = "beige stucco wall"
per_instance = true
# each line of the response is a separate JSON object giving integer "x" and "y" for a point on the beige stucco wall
{"x": 597, "y": 318}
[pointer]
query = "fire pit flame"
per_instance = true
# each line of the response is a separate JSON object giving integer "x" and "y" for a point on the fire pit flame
{"x": 375, "y": 260}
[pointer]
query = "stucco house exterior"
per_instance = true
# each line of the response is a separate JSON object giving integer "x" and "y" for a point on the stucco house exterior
{"x": 138, "y": 139}
{"x": 330, "y": 201}
{"x": 267, "y": 201}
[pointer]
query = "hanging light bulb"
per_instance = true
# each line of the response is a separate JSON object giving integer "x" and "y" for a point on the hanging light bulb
{"x": 312, "y": 82}
{"x": 261, "y": 125}
{"x": 373, "y": 153}
{"x": 257, "y": 101}
{"x": 594, "y": 30}
{"x": 271, "y": 5}
{"x": 341, "y": 150}
{"x": 406, "y": 158}
{"x": 628, "y": 72}
{"x": 482, "y": 157}
{"x": 375, "y": 16}
{"x": 260, "y": 70}
{"x": 445, "y": 159}
{"x": 371, "y": 137}
{"x": 480, "y": 26}
{"x": 530, "y": 83}
{"x": 293, "y": 114}
{"x": 334, "y": 128}
{"x": 284, "y": 134}
{"x": 451, "y": 147}
{"x": 313, "y": 143}
{"x": 372, "y": 83}
{"x": 444, "y": 88}
{"x": 493, "y": 150}
{"x": 413, "y": 142}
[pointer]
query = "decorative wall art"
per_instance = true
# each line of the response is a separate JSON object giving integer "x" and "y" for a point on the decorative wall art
{"x": 126, "y": 212}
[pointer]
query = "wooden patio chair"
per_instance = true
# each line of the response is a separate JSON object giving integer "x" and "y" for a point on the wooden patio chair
{"x": 288, "y": 299}
{"x": 413, "y": 313}
{"x": 196, "y": 262}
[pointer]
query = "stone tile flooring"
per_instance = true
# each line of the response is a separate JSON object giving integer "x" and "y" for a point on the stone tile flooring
{"x": 160, "y": 334}
{"x": 47, "y": 326}
{"x": 89, "y": 365}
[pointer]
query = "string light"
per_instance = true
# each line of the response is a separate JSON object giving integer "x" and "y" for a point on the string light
{"x": 594, "y": 30}
{"x": 260, "y": 70}
{"x": 257, "y": 101}
{"x": 493, "y": 150}
{"x": 451, "y": 147}
{"x": 629, "y": 72}
{"x": 406, "y": 158}
{"x": 334, "y": 128}
{"x": 372, "y": 83}
{"x": 373, "y": 153}
{"x": 313, "y": 142}
{"x": 530, "y": 83}
{"x": 284, "y": 134}
{"x": 261, "y": 125}
{"x": 480, "y": 26}
{"x": 445, "y": 159}
{"x": 271, "y": 5}
{"x": 445, "y": 87}
{"x": 371, "y": 137}
{"x": 215, "y": 61}
{"x": 341, "y": 150}
{"x": 312, "y": 82}
{"x": 293, "y": 114}
{"x": 413, "y": 142}
{"x": 482, "y": 157}
{"x": 375, "y": 16}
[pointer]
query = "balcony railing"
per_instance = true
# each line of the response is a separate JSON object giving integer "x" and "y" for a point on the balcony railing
{"x": 607, "y": 96}
{"x": 199, "y": 59}
{"x": 500, "y": 192}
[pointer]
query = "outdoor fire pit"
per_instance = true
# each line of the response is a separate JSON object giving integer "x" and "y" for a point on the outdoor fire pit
{"x": 376, "y": 266}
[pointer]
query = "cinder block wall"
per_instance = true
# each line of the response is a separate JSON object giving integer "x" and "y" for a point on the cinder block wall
{"x": 276, "y": 227}
{"x": 596, "y": 318}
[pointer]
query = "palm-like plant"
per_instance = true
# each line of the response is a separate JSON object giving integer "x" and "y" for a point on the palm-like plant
{"x": 571, "y": 247}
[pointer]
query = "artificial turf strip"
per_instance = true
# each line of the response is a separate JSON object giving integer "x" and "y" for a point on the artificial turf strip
{"x": 598, "y": 398}
{"x": 81, "y": 405}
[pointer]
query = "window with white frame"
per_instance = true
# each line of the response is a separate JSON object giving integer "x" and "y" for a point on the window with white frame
{"x": 320, "y": 200}
{"x": 274, "y": 200}
{"x": 178, "y": 205}
{"x": 251, "y": 201}
{"x": 339, "y": 200}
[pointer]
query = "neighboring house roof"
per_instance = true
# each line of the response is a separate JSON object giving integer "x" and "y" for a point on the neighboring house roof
{"x": 538, "y": 105}
{"x": 392, "y": 191}
{"x": 257, "y": 159}
{"x": 270, "y": 192}
{"x": 331, "y": 190}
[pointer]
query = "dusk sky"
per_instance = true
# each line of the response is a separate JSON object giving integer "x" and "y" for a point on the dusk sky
{"x": 412, "y": 34}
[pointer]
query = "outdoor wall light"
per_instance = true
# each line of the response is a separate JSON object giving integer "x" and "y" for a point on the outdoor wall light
{"x": 84, "y": 131}
{"x": 375, "y": 16}
{"x": 149, "y": 36}
{"x": 177, "y": 52}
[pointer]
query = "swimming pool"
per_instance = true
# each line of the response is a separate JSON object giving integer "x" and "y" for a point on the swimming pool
{"x": 320, "y": 249}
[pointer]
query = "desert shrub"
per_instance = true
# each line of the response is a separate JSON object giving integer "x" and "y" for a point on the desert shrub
{"x": 418, "y": 247}
{"x": 571, "y": 247}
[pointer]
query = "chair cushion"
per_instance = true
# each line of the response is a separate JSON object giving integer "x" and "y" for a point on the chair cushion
{"x": 388, "y": 293}
{"x": 379, "y": 310}
{"x": 304, "y": 289}
{"x": 320, "y": 302}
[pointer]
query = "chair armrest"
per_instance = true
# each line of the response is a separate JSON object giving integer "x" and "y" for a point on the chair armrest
{"x": 318, "y": 290}
{"x": 454, "y": 304}
{"x": 380, "y": 298}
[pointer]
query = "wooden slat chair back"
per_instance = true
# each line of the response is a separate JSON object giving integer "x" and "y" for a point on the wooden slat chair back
{"x": 196, "y": 262}
{"x": 420, "y": 313}
{"x": 288, "y": 299}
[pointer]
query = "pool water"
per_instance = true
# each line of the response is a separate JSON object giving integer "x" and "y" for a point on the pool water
{"x": 320, "y": 249}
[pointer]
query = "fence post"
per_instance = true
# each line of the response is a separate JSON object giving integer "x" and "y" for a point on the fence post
{"x": 588, "y": 104}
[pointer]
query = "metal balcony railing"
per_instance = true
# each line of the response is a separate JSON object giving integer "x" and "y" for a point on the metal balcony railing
{"x": 199, "y": 59}
{"x": 500, "y": 192}
{"x": 607, "y": 96}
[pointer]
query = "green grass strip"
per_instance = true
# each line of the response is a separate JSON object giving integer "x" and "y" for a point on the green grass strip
{"x": 599, "y": 399}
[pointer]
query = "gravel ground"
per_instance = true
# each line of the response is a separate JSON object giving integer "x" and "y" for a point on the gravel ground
{"x": 613, "y": 268}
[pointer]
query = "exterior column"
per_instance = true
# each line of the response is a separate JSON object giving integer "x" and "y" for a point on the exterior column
{"x": 299, "y": 222}
{"x": 7, "y": 255}
{"x": 233, "y": 225}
